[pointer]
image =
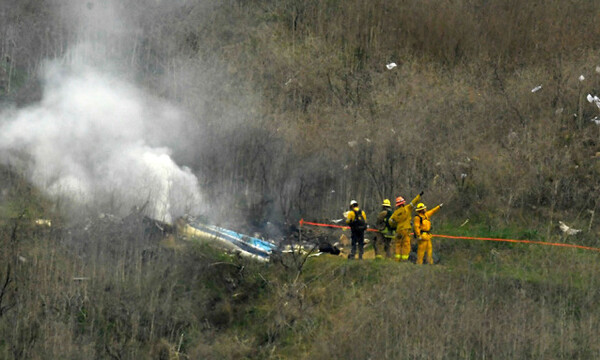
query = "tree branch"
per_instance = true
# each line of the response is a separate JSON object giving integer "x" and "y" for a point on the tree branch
{"x": 4, "y": 290}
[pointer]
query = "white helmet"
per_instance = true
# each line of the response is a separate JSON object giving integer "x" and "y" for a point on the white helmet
{"x": 353, "y": 202}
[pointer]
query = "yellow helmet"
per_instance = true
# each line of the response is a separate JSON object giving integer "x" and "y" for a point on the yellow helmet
{"x": 387, "y": 202}
{"x": 421, "y": 207}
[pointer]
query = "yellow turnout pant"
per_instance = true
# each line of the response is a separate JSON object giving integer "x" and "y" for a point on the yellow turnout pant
{"x": 402, "y": 241}
{"x": 425, "y": 247}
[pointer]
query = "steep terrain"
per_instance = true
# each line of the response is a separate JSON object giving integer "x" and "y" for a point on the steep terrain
{"x": 267, "y": 112}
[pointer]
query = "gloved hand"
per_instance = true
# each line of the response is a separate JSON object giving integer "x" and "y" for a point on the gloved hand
{"x": 421, "y": 193}
{"x": 442, "y": 204}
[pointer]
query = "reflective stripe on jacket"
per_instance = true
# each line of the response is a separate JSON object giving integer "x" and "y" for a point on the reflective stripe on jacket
{"x": 382, "y": 225}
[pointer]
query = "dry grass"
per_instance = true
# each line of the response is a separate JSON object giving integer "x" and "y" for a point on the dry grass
{"x": 302, "y": 79}
{"x": 307, "y": 79}
{"x": 141, "y": 299}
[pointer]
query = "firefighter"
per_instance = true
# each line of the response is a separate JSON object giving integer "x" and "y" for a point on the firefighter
{"x": 401, "y": 219}
{"x": 357, "y": 220}
{"x": 386, "y": 232}
{"x": 422, "y": 228}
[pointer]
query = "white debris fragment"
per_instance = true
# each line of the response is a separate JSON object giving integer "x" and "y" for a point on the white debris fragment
{"x": 536, "y": 89}
{"x": 568, "y": 230}
{"x": 593, "y": 99}
{"x": 390, "y": 66}
{"x": 463, "y": 175}
{"x": 368, "y": 140}
{"x": 581, "y": 77}
{"x": 337, "y": 221}
{"x": 598, "y": 69}
{"x": 352, "y": 143}
{"x": 559, "y": 111}
{"x": 345, "y": 167}
{"x": 596, "y": 121}
{"x": 590, "y": 98}
{"x": 332, "y": 191}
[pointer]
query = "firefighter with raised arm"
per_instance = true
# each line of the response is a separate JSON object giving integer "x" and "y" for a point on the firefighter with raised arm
{"x": 401, "y": 219}
{"x": 385, "y": 232}
{"x": 422, "y": 229}
{"x": 357, "y": 220}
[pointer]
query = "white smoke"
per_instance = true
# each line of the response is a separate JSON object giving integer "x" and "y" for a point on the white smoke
{"x": 88, "y": 141}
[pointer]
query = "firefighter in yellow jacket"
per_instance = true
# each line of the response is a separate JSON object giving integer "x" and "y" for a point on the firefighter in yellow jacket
{"x": 401, "y": 219}
{"x": 422, "y": 225}
{"x": 385, "y": 232}
{"x": 357, "y": 220}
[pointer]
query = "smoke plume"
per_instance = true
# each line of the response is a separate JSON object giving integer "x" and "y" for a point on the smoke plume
{"x": 94, "y": 139}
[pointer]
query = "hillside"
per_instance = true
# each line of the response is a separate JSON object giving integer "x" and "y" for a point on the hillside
{"x": 116, "y": 289}
{"x": 307, "y": 81}
{"x": 255, "y": 114}
{"x": 112, "y": 294}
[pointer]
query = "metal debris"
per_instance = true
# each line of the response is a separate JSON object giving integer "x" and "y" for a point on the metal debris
{"x": 567, "y": 230}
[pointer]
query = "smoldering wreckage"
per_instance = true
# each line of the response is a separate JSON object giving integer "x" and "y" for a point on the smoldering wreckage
{"x": 299, "y": 241}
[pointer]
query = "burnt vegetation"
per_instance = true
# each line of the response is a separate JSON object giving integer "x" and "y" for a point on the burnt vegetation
{"x": 295, "y": 113}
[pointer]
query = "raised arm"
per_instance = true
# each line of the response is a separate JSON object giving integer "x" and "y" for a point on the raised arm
{"x": 435, "y": 209}
{"x": 414, "y": 201}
